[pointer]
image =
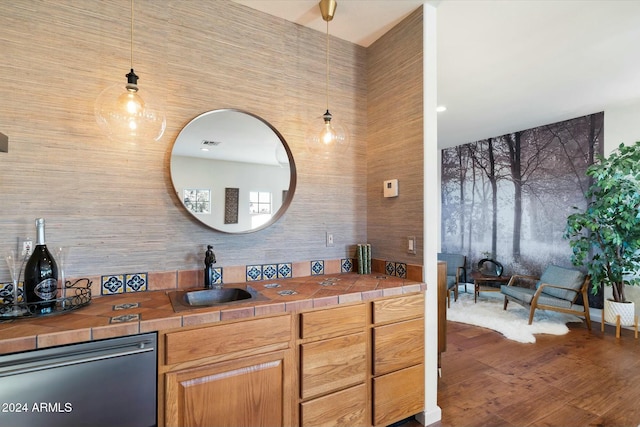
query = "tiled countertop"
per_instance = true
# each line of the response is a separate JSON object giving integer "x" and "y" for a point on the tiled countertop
{"x": 126, "y": 314}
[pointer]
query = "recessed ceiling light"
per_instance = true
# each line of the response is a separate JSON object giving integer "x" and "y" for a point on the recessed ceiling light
{"x": 441, "y": 108}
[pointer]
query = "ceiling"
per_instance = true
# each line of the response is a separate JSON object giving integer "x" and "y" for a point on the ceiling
{"x": 505, "y": 65}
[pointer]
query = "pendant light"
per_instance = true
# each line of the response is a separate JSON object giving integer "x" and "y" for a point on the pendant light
{"x": 325, "y": 135}
{"x": 126, "y": 112}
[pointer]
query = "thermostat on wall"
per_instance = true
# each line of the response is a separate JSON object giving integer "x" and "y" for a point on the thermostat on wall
{"x": 391, "y": 188}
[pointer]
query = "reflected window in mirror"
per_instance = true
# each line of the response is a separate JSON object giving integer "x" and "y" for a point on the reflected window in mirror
{"x": 259, "y": 202}
{"x": 259, "y": 207}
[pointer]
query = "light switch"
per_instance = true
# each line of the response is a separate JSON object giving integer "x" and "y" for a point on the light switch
{"x": 391, "y": 188}
{"x": 411, "y": 246}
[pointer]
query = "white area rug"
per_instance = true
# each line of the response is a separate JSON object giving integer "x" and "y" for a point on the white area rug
{"x": 512, "y": 323}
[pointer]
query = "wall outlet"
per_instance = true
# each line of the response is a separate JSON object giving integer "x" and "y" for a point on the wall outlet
{"x": 329, "y": 239}
{"x": 26, "y": 247}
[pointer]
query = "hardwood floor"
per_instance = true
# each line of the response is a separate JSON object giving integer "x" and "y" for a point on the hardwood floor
{"x": 579, "y": 379}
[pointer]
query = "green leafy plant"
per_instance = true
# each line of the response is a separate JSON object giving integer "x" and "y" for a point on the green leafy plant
{"x": 606, "y": 236}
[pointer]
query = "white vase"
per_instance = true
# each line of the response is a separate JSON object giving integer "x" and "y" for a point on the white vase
{"x": 626, "y": 310}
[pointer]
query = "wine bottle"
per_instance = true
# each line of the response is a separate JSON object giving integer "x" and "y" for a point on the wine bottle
{"x": 41, "y": 275}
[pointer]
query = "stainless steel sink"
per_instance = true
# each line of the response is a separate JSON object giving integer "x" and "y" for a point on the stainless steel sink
{"x": 186, "y": 300}
{"x": 215, "y": 296}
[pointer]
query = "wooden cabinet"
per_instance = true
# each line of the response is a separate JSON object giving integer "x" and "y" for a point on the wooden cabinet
{"x": 232, "y": 374}
{"x": 248, "y": 392}
{"x": 362, "y": 364}
{"x": 349, "y": 365}
{"x": 398, "y": 355}
{"x": 333, "y": 356}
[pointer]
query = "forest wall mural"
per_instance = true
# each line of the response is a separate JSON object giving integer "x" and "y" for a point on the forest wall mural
{"x": 508, "y": 197}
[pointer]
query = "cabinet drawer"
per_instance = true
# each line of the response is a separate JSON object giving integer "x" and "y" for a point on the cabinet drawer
{"x": 398, "y": 345}
{"x": 333, "y": 321}
{"x": 247, "y": 335}
{"x": 345, "y": 408}
{"x": 332, "y": 364}
{"x": 400, "y": 308}
{"x": 398, "y": 395}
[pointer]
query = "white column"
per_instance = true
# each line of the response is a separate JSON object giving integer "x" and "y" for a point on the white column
{"x": 431, "y": 237}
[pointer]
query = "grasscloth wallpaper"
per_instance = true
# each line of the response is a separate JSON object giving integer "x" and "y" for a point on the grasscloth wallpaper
{"x": 112, "y": 202}
{"x": 395, "y": 141}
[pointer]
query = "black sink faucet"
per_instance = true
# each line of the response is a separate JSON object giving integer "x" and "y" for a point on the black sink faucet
{"x": 209, "y": 260}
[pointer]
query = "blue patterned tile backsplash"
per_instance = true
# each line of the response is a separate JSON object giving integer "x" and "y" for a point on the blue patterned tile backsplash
{"x": 390, "y": 268}
{"x": 398, "y": 269}
{"x": 285, "y": 271}
{"x": 112, "y": 285}
{"x": 317, "y": 267}
{"x": 216, "y": 276}
{"x": 346, "y": 265}
{"x": 401, "y": 270}
{"x": 136, "y": 282}
{"x": 269, "y": 271}
{"x": 254, "y": 272}
{"x": 121, "y": 283}
{"x": 115, "y": 284}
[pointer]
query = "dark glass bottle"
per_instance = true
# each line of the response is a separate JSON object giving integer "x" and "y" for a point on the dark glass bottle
{"x": 41, "y": 275}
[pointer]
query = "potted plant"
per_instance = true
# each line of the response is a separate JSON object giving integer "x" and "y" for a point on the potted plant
{"x": 605, "y": 237}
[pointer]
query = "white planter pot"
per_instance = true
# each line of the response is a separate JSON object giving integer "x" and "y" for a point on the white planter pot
{"x": 626, "y": 310}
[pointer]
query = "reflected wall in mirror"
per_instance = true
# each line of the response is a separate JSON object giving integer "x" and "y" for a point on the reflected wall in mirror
{"x": 233, "y": 171}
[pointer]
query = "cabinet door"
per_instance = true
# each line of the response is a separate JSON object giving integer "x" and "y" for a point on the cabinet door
{"x": 248, "y": 392}
{"x": 332, "y": 364}
{"x": 347, "y": 408}
{"x": 398, "y": 395}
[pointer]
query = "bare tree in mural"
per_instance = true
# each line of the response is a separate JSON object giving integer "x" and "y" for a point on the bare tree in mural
{"x": 579, "y": 156}
{"x": 514, "y": 145}
{"x": 462, "y": 174}
{"x": 473, "y": 200}
{"x": 476, "y": 155}
{"x": 485, "y": 160}
{"x": 450, "y": 204}
{"x": 526, "y": 161}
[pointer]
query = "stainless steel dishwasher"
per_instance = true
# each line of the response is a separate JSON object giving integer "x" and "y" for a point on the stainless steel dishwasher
{"x": 110, "y": 383}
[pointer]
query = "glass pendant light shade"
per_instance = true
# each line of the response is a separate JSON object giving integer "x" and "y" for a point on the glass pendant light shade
{"x": 127, "y": 112}
{"x": 326, "y": 136}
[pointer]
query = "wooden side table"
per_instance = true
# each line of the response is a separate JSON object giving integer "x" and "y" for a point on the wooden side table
{"x": 480, "y": 283}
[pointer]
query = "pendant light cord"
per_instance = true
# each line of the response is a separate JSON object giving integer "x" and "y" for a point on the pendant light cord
{"x": 327, "y": 82}
{"x": 131, "y": 46}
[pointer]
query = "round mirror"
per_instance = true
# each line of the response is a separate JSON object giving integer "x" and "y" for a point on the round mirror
{"x": 233, "y": 171}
